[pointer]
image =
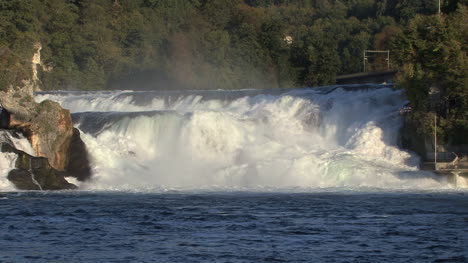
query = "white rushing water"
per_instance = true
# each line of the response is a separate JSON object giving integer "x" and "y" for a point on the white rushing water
{"x": 297, "y": 139}
{"x": 8, "y": 160}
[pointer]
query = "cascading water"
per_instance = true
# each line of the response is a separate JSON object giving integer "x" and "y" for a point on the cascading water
{"x": 33, "y": 176}
{"x": 282, "y": 139}
{"x": 8, "y": 160}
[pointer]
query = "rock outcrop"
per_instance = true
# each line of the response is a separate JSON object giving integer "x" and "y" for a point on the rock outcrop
{"x": 47, "y": 125}
{"x": 49, "y": 129}
{"x": 35, "y": 173}
{"x": 35, "y": 62}
{"x": 78, "y": 161}
{"x": 411, "y": 140}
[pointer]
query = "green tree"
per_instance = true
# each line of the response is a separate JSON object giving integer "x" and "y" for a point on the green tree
{"x": 432, "y": 54}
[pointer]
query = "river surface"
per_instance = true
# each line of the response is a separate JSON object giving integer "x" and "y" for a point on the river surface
{"x": 305, "y": 175}
{"x": 326, "y": 226}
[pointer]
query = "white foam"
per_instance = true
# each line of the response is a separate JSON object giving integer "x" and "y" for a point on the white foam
{"x": 461, "y": 182}
{"x": 17, "y": 140}
{"x": 8, "y": 160}
{"x": 301, "y": 139}
{"x": 7, "y": 163}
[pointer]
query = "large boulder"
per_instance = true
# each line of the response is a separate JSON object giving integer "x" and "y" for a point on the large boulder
{"x": 49, "y": 129}
{"x": 411, "y": 140}
{"x": 51, "y": 132}
{"x": 78, "y": 161}
{"x": 35, "y": 173}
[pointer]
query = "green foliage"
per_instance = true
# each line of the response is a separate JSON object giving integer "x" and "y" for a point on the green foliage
{"x": 156, "y": 44}
{"x": 13, "y": 69}
{"x": 432, "y": 53}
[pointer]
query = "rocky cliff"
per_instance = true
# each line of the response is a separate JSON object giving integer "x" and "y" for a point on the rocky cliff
{"x": 49, "y": 129}
{"x": 47, "y": 126}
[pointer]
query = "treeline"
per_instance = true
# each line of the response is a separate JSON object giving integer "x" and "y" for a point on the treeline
{"x": 431, "y": 53}
{"x": 208, "y": 44}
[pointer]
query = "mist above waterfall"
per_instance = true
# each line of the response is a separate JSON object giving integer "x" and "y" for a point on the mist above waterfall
{"x": 252, "y": 139}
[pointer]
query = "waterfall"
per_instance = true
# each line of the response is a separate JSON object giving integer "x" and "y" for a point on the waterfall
{"x": 7, "y": 163}
{"x": 33, "y": 176}
{"x": 8, "y": 160}
{"x": 313, "y": 138}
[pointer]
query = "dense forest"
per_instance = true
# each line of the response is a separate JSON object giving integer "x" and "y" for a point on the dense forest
{"x": 231, "y": 44}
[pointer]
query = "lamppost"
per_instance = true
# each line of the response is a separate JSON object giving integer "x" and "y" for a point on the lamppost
{"x": 435, "y": 142}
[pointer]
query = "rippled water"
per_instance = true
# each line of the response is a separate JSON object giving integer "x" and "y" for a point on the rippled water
{"x": 331, "y": 226}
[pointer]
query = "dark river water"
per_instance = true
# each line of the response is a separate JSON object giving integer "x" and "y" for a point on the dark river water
{"x": 331, "y": 226}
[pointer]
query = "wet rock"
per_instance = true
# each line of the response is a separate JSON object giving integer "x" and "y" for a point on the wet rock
{"x": 22, "y": 180}
{"x": 411, "y": 140}
{"x": 78, "y": 164}
{"x": 47, "y": 125}
{"x": 35, "y": 173}
{"x": 49, "y": 129}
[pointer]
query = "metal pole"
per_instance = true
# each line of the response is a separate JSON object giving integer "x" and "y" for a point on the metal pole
{"x": 364, "y": 60}
{"x": 435, "y": 142}
{"x": 388, "y": 60}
